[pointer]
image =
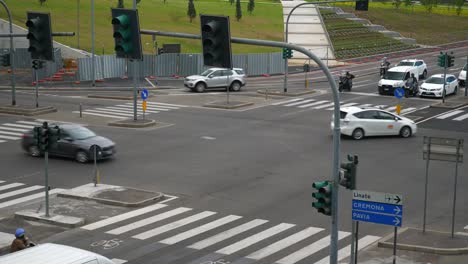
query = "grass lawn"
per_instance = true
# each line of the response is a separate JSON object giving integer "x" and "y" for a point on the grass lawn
{"x": 440, "y": 26}
{"x": 266, "y": 21}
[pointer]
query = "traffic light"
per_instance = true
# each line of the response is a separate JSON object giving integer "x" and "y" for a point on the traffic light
{"x": 323, "y": 197}
{"x": 54, "y": 136}
{"x": 44, "y": 138}
{"x": 5, "y": 60}
{"x": 127, "y": 33}
{"x": 37, "y": 131}
{"x": 40, "y": 36}
{"x": 216, "y": 41}
{"x": 441, "y": 60}
{"x": 348, "y": 173}
{"x": 450, "y": 60}
{"x": 36, "y": 64}
{"x": 362, "y": 5}
{"x": 287, "y": 53}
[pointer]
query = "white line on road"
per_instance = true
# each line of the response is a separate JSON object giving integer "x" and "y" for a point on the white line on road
{"x": 11, "y": 185}
{"x": 324, "y": 106}
{"x": 432, "y": 117}
{"x": 30, "y": 123}
{"x": 456, "y": 112}
{"x": 343, "y": 105}
{"x": 462, "y": 117}
{"x": 107, "y": 112}
{"x": 312, "y": 104}
{"x": 154, "y": 86}
{"x": 28, "y": 198}
{"x": 20, "y": 191}
{"x": 95, "y": 114}
{"x": 11, "y": 133}
{"x": 147, "y": 107}
{"x": 2, "y": 141}
{"x": 14, "y": 129}
{"x": 346, "y": 251}
{"x": 17, "y": 125}
{"x": 121, "y": 217}
{"x": 9, "y": 137}
{"x": 288, "y": 101}
{"x": 118, "y": 261}
{"x": 127, "y": 110}
{"x": 164, "y": 104}
{"x": 301, "y": 102}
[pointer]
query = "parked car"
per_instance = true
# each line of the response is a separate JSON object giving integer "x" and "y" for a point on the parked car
{"x": 396, "y": 77}
{"x": 362, "y": 122}
{"x": 75, "y": 142}
{"x": 434, "y": 85}
{"x": 419, "y": 65}
{"x": 216, "y": 78}
{"x": 462, "y": 76}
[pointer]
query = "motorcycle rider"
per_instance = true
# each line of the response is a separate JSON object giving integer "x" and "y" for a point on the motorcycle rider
{"x": 20, "y": 242}
{"x": 412, "y": 85}
{"x": 346, "y": 80}
{"x": 384, "y": 65}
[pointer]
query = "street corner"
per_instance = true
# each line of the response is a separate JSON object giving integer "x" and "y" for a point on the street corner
{"x": 22, "y": 110}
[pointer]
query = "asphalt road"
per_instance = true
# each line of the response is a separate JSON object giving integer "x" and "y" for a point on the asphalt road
{"x": 247, "y": 165}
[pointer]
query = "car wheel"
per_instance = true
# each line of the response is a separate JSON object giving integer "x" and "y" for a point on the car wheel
{"x": 34, "y": 151}
{"x": 235, "y": 86}
{"x": 455, "y": 91}
{"x": 200, "y": 87}
{"x": 81, "y": 156}
{"x": 358, "y": 134}
{"x": 424, "y": 75}
{"x": 405, "y": 132}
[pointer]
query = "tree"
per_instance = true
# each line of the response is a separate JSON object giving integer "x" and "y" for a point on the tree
{"x": 42, "y": 2}
{"x": 120, "y": 4}
{"x": 397, "y": 3}
{"x": 408, "y": 2}
{"x": 231, "y": 1}
{"x": 191, "y": 12}
{"x": 459, "y": 5}
{"x": 251, "y": 6}
{"x": 238, "y": 10}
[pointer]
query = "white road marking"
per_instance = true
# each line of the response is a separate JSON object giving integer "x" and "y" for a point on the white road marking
{"x": 227, "y": 234}
{"x": 147, "y": 221}
{"x": 9, "y": 137}
{"x": 28, "y": 198}
{"x": 122, "y": 217}
{"x": 199, "y": 230}
{"x": 456, "y": 112}
{"x": 343, "y": 105}
{"x": 254, "y": 239}
{"x": 14, "y": 129}
{"x": 301, "y": 102}
{"x": 312, "y": 104}
{"x": 30, "y": 123}
{"x": 364, "y": 105}
{"x": 20, "y": 191}
{"x": 18, "y": 125}
{"x": 406, "y": 110}
{"x": 324, "y": 106}
{"x": 432, "y": 117}
{"x": 152, "y": 85}
{"x": 112, "y": 111}
{"x": 173, "y": 225}
{"x": 95, "y": 114}
{"x": 165, "y": 104}
{"x": 462, "y": 117}
{"x": 130, "y": 106}
{"x": 11, "y": 185}
{"x": 2, "y": 141}
{"x": 288, "y": 101}
{"x": 284, "y": 243}
{"x": 390, "y": 109}
{"x": 107, "y": 112}
{"x": 11, "y": 133}
{"x": 346, "y": 251}
{"x": 310, "y": 249}
{"x": 126, "y": 110}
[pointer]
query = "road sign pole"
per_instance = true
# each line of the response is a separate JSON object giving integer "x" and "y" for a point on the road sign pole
{"x": 93, "y": 64}
{"x": 427, "y": 179}
{"x": 394, "y": 244}
{"x": 356, "y": 243}
{"x": 227, "y": 88}
{"x": 46, "y": 158}
{"x": 466, "y": 86}
{"x": 134, "y": 90}
{"x": 445, "y": 74}
{"x": 95, "y": 166}
{"x": 455, "y": 189}
{"x": 36, "y": 79}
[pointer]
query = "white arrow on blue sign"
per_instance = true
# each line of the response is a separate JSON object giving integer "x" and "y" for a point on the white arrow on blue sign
{"x": 144, "y": 94}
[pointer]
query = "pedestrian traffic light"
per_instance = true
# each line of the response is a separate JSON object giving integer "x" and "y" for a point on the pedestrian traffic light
{"x": 36, "y": 64}
{"x": 216, "y": 41}
{"x": 5, "y": 60}
{"x": 40, "y": 36}
{"x": 127, "y": 33}
{"x": 362, "y": 5}
{"x": 287, "y": 53}
{"x": 441, "y": 59}
{"x": 54, "y": 136}
{"x": 323, "y": 197}
{"x": 348, "y": 173}
{"x": 450, "y": 60}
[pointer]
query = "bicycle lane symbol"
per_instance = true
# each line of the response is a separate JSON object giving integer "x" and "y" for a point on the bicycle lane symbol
{"x": 107, "y": 244}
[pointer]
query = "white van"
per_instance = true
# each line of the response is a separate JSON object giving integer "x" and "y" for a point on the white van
{"x": 53, "y": 254}
{"x": 462, "y": 76}
{"x": 396, "y": 77}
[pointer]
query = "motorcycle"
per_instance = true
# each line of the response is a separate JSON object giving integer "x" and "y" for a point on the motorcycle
{"x": 411, "y": 89}
{"x": 345, "y": 83}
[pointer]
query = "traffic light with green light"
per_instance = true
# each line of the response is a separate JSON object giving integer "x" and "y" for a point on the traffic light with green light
{"x": 40, "y": 36}
{"x": 348, "y": 173}
{"x": 323, "y": 195}
{"x": 126, "y": 34}
{"x": 441, "y": 59}
{"x": 216, "y": 41}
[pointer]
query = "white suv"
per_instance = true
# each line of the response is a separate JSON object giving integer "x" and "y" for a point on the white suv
{"x": 462, "y": 76}
{"x": 216, "y": 78}
{"x": 361, "y": 122}
{"x": 419, "y": 65}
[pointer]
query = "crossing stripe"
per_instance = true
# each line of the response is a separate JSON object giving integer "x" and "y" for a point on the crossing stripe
{"x": 166, "y": 108}
{"x": 20, "y": 191}
{"x": 227, "y": 234}
{"x": 30, "y": 123}
{"x": 407, "y": 110}
{"x": 390, "y": 109}
{"x": 310, "y": 249}
{"x": 2, "y": 141}
{"x": 173, "y": 225}
{"x": 462, "y": 117}
{"x": 346, "y": 251}
{"x": 122, "y": 217}
{"x": 456, "y": 112}
{"x": 11, "y": 138}
{"x": 148, "y": 107}
{"x": 147, "y": 221}
{"x": 2, "y": 181}
{"x": 165, "y": 104}
{"x": 28, "y": 198}
{"x": 17, "y": 125}
{"x": 96, "y": 114}
{"x": 323, "y": 106}
{"x": 312, "y": 104}
{"x": 201, "y": 229}
{"x": 364, "y": 105}
{"x": 288, "y": 101}
{"x": 380, "y": 106}
{"x": 11, "y": 185}
{"x": 300, "y": 102}
{"x": 11, "y": 133}
{"x": 254, "y": 239}
{"x": 284, "y": 243}
{"x": 126, "y": 110}
{"x": 108, "y": 112}
{"x": 343, "y": 105}
{"x": 14, "y": 129}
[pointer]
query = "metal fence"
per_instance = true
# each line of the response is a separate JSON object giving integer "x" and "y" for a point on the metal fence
{"x": 173, "y": 64}
{"x": 23, "y": 61}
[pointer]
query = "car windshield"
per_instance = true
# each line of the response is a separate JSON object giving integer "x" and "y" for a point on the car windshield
{"x": 394, "y": 75}
{"x": 80, "y": 133}
{"x": 435, "y": 80}
{"x": 405, "y": 63}
{"x": 464, "y": 68}
{"x": 206, "y": 73}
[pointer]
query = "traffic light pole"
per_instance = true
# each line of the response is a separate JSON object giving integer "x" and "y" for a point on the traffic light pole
{"x": 36, "y": 81}
{"x": 135, "y": 94}
{"x": 12, "y": 56}
{"x": 336, "y": 119}
{"x": 445, "y": 74}
{"x": 93, "y": 57}
{"x": 46, "y": 158}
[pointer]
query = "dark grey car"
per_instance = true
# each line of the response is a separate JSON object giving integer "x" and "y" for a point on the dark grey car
{"x": 75, "y": 142}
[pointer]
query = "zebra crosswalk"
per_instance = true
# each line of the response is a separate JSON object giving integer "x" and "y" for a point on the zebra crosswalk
{"x": 15, "y": 130}
{"x": 211, "y": 236}
{"x": 16, "y": 193}
{"x": 125, "y": 110}
{"x": 455, "y": 115}
{"x": 309, "y": 103}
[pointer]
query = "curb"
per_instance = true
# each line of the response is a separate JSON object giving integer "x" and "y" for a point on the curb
{"x": 289, "y": 94}
{"x": 53, "y": 220}
{"x": 114, "y": 97}
{"x": 95, "y": 89}
{"x": 223, "y": 105}
{"x": 158, "y": 197}
{"x": 131, "y": 124}
{"x": 27, "y": 111}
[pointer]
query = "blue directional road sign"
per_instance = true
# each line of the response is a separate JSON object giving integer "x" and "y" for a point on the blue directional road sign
{"x": 144, "y": 94}
{"x": 378, "y": 208}
{"x": 399, "y": 93}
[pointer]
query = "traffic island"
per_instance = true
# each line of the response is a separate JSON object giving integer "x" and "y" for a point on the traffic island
{"x": 130, "y": 123}
{"x": 228, "y": 105}
{"x": 449, "y": 104}
{"x": 26, "y": 110}
{"x": 53, "y": 219}
{"x": 113, "y": 97}
{"x": 280, "y": 92}
{"x": 113, "y": 195}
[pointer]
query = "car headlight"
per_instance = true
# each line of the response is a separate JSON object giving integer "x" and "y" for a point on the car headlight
{"x": 400, "y": 84}
{"x": 380, "y": 83}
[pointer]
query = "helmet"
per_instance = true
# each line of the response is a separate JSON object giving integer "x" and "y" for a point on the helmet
{"x": 384, "y": 58}
{"x": 19, "y": 232}
{"x": 412, "y": 74}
